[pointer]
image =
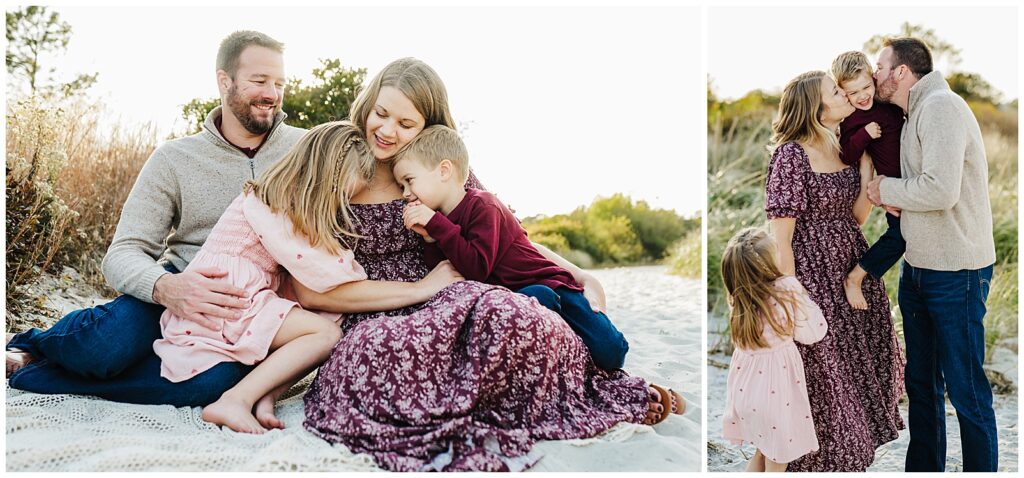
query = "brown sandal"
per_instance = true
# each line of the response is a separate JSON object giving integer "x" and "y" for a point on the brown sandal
{"x": 670, "y": 400}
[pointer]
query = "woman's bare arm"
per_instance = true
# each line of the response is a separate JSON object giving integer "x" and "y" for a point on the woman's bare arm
{"x": 862, "y": 207}
{"x": 782, "y": 229}
{"x": 373, "y": 296}
{"x": 592, "y": 288}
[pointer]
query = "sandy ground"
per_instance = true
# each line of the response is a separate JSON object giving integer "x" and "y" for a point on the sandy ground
{"x": 723, "y": 456}
{"x": 659, "y": 314}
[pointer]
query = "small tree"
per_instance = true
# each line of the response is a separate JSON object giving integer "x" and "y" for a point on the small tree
{"x": 939, "y": 47}
{"x": 972, "y": 87}
{"x": 31, "y": 33}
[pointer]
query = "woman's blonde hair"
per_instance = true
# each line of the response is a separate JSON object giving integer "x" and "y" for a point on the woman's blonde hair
{"x": 310, "y": 183}
{"x": 417, "y": 81}
{"x": 749, "y": 271}
{"x": 800, "y": 110}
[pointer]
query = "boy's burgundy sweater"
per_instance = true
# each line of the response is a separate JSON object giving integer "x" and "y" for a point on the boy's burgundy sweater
{"x": 884, "y": 151}
{"x": 485, "y": 243}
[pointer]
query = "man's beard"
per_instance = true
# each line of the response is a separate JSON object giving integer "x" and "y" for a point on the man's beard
{"x": 243, "y": 111}
{"x": 886, "y": 89}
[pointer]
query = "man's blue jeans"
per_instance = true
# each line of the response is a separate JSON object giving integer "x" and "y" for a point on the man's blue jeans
{"x": 607, "y": 345}
{"x": 945, "y": 336}
{"x": 107, "y": 351}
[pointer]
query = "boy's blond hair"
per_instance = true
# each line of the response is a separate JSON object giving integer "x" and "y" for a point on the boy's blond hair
{"x": 309, "y": 183}
{"x": 435, "y": 144}
{"x": 849, "y": 66}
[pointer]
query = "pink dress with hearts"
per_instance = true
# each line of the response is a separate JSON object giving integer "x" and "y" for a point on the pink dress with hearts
{"x": 259, "y": 249}
{"x": 766, "y": 401}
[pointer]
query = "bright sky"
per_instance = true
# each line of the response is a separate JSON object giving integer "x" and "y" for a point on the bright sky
{"x": 751, "y": 48}
{"x": 563, "y": 104}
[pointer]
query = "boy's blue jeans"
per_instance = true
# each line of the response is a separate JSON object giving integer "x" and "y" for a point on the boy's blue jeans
{"x": 107, "y": 351}
{"x": 607, "y": 345}
{"x": 886, "y": 251}
{"x": 945, "y": 336}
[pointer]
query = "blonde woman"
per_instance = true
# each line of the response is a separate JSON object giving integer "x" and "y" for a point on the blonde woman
{"x": 815, "y": 205}
{"x": 465, "y": 379}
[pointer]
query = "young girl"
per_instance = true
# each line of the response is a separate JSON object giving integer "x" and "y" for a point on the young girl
{"x": 286, "y": 221}
{"x": 766, "y": 401}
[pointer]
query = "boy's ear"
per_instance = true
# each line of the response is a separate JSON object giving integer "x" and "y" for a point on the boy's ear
{"x": 446, "y": 169}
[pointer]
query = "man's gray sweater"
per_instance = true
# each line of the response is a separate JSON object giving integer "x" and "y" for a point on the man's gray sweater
{"x": 184, "y": 187}
{"x": 947, "y": 217}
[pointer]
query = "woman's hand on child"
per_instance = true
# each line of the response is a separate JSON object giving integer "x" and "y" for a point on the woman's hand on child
{"x": 593, "y": 291}
{"x": 895, "y": 211}
{"x": 196, "y": 295}
{"x": 443, "y": 275}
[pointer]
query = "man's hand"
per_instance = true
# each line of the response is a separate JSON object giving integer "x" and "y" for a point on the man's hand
{"x": 196, "y": 296}
{"x": 416, "y": 216}
{"x": 874, "y": 131}
{"x": 875, "y": 190}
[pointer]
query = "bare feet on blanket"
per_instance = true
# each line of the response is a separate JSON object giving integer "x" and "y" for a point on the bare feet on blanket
{"x": 234, "y": 414}
{"x": 265, "y": 412}
{"x": 852, "y": 285}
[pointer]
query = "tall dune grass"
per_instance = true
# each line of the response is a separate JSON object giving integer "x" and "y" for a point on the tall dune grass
{"x": 69, "y": 171}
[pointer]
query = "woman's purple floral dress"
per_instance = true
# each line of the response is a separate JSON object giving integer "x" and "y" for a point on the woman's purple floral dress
{"x": 467, "y": 381}
{"x": 855, "y": 374}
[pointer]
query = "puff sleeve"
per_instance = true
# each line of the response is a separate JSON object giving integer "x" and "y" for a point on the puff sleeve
{"x": 314, "y": 267}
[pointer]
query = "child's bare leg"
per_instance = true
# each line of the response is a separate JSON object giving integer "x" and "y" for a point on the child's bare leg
{"x": 854, "y": 294}
{"x": 756, "y": 463}
{"x": 772, "y": 467}
{"x": 264, "y": 410}
{"x": 304, "y": 341}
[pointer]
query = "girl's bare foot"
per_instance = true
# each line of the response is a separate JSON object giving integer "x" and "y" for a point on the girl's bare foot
{"x": 234, "y": 414}
{"x": 265, "y": 412}
{"x": 852, "y": 285}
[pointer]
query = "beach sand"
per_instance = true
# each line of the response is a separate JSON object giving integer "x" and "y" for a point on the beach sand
{"x": 723, "y": 456}
{"x": 659, "y": 314}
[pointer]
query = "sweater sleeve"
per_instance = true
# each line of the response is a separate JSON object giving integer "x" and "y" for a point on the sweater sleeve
{"x": 150, "y": 212}
{"x": 853, "y": 145}
{"x": 943, "y": 140}
{"x": 314, "y": 267}
{"x": 472, "y": 248}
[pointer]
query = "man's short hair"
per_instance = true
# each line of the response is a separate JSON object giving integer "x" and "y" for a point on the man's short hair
{"x": 435, "y": 144}
{"x": 911, "y": 52}
{"x": 232, "y": 47}
{"x": 849, "y": 66}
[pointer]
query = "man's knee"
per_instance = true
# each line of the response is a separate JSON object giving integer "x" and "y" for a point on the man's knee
{"x": 102, "y": 341}
{"x": 610, "y": 354}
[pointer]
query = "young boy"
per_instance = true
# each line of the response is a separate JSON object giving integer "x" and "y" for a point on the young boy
{"x": 484, "y": 241}
{"x": 874, "y": 127}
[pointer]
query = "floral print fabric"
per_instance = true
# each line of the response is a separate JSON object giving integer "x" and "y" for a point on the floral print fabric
{"x": 855, "y": 374}
{"x": 466, "y": 381}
